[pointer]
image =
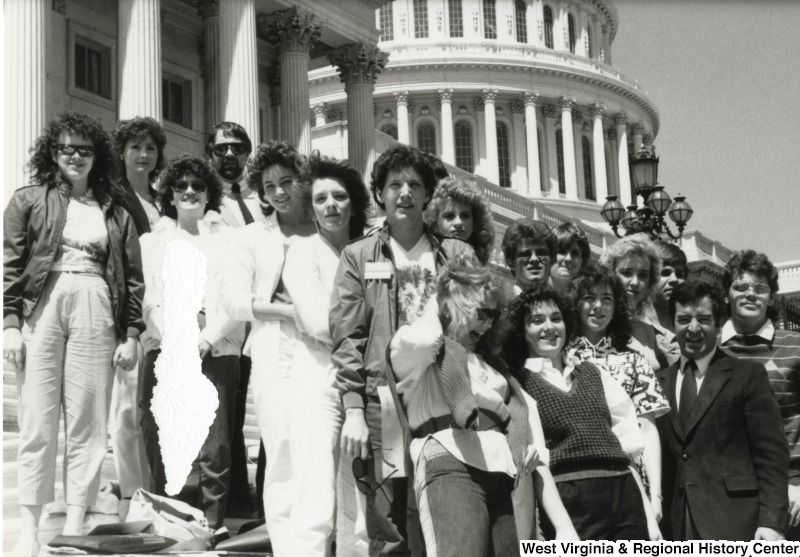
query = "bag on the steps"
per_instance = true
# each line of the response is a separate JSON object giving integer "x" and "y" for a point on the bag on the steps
{"x": 172, "y": 519}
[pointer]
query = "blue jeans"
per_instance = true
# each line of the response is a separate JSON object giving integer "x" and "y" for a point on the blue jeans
{"x": 464, "y": 511}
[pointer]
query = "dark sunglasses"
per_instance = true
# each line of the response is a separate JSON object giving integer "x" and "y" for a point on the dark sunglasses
{"x": 197, "y": 187}
{"x": 69, "y": 150}
{"x": 526, "y": 254}
{"x": 221, "y": 149}
{"x": 360, "y": 471}
{"x": 488, "y": 314}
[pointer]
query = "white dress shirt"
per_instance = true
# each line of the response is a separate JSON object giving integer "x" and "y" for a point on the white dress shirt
{"x": 230, "y": 211}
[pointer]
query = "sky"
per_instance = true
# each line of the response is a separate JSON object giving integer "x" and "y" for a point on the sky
{"x": 725, "y": 76}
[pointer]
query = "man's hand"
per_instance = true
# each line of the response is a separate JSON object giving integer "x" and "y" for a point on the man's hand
{"x": 14, "y": 347}
{"x": 125, "y": 355}
{"x": 794, "y": 505}
{"x": 355, "y": 433}
{"x": 768, "y": 534}
{"x": 655, "y": 504}
{"x": 203, "y": 347}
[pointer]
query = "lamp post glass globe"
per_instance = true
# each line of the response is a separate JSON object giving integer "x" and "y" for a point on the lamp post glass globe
{"x": 612, "y": 210}
{"x": 659, "y": 201}
{"x": 629, "y": 218}
{"x": 681, "y": 211}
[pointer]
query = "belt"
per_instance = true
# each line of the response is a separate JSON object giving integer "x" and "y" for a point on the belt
{"x": 487, "y": 421}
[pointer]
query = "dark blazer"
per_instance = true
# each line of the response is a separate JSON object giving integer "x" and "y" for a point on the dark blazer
{"x": 731, "y": 465}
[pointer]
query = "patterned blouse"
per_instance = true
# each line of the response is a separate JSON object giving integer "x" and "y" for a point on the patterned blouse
{"x": 630, "y": 369}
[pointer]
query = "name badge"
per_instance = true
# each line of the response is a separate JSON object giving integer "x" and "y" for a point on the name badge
{"x": 378, "y": 270}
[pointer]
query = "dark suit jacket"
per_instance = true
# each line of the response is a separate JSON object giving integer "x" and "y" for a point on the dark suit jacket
{"x": 731, "y": 465}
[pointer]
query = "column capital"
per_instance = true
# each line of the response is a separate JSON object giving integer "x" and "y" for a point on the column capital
{"x": 611, "y": 134}
{"x": 620, "y": 119}
{"x": 549, "y": 111}
{"x": 358, "y": 63}
{"x": 530, "y": 97}
{"x": 489, "y": 95}
{"x": 647, "y": 140}
{"x": 205, "y": 8}
{"x": 333, "y": 114}
{"x": 517, "y": 106}
{"x": 401, "y": 97}
{"x": 479, "y": 104}
{"x": 637, "y": 128}
{"x": 319, "y": 109}
{"x": 445, "y": 95}
{"x": 292, "y": 30}
{"x": 60, "y": 6}
{"x": 566, "y": 103}
{"x": 598, "y": 110}
{"x": 577, "y": 117}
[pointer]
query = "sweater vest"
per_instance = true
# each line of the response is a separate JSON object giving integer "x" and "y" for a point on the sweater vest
{"x": 577, "y": 425}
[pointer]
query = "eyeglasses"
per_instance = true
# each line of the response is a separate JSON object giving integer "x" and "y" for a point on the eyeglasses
{"x": 485, "y": 314}
{"x": 759, "y": 288}
{"x": 526, "y": 254}
{"x": 69, "y": 150}
{"x": 197, "y": 187}
{"x": 221, "y": 149}
{"x": 360, "y": 471}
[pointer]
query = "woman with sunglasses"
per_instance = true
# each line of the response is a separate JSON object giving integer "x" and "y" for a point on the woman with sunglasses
{"x": 589, "y": 421}
{"x": 604, "y": 337}
{"x": 72, "y": 295}
{"x": 334, "y": 195}
{"x": 474, "y": 430}
{"x": 254, "y": 292}
{"x": 189, "y": 195}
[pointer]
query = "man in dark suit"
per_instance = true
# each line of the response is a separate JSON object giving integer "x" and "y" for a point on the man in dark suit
{"x": 725, "y": 455}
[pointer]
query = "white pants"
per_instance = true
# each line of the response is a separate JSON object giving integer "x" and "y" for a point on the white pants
{"x": 299, "y": 416}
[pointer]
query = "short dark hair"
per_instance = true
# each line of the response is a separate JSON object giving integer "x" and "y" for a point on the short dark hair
{"x": 592, "y": 275}
{"x": 692, "y": 291}
{"x": 527, "y": 230}
{"x": 126, "y": 130}
{"x": 320, "y": 167}
{"x": 175, "y": 170}
{"x": 269, "y": 154}
{"x": 673, "y": 256}
{"x": 568, "y": 232}
{"x": 400, "y": 157}
{"x": 751, "y": 261}
{"x": 228, "y": 129}
{"x": 515, "y": 347}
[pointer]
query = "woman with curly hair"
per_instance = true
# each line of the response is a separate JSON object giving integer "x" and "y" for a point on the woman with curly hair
{"x": 588, "y": 419}
{"x": 190, "y": 195}
{"x": 139, "y": 147}
{"x": 457, "y": 209}
{"x": 337, "y": 201}
{"x": 72, "y": 295}
{"x": 572, "y": 254}
{"x": 604, "y": 336}
{"x": 637, "y": 262}
{"x": 255, "y": 293}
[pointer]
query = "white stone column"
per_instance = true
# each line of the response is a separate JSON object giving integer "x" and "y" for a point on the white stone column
{"x": 25, "y": 85}
{"x": 319, "y": 110}
{"x": 238, "y": 66}
{"x": 294, "y": 32}
{"x": 537, "y": 11}
{"x": 551, "y": 172}
{"x": 532, "y": 143}
{"x": 139, "y": 39}
{"x": 577, "y": 126}
{"x": 568, "y": 145}
{"x": 597, "y": 37}
{"x": 448, "y": 139}
{"x": 359, "y": 66}
{"x": 637, "y": 130}
{"x": 599, "y": 154}
{"x": 403, "y": 126}
{"x": 583, "y": 35}
{"x": 606, "y": 45}
{"x": 209, "y": 11}
{"x": 519, "y": 174}
{"x": 612, "y": 166}
{"x": 561, "y": 28}
{"x": 625, "y": 194}
{"x": 491, "y": 172}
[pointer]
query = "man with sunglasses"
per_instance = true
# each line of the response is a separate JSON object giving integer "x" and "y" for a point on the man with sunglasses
{"x": 529, "y": 247}
{"x": 751, "y": 283}
{"x": 227, "y": 149}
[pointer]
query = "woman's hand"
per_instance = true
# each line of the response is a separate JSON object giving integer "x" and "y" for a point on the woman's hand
{"x": 567, "y": 532}
{"x": 531, "y": 461}
{"x": 125, "y": 355}
{"x": 203, "y": 347}
{"x": 14, "y": 347}
{"x": 655, "y": 503}
{"x": 653, "y": 531}
{"x": 355, "y": 433}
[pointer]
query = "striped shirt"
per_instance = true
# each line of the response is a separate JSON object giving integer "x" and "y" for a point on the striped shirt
{"x": 779, "y": 352}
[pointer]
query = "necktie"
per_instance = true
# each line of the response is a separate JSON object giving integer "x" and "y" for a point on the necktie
{"x": 688, "y": 393}
{"x": 236, "y": 190}
{"x": 749, "y": 340}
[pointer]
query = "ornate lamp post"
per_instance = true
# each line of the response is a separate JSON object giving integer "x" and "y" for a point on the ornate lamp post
{"x": 656, "y": 203}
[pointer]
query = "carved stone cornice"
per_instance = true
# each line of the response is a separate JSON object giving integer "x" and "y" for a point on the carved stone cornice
{"x": 517, "y": 106}
{"x": 401, "y": 97}
{"x": 358, "y": 63}
{"x": 445, "y": 95}
{"x": 598, "y": 110}
{"x": 566, "y": 103}
{"x": 530, "y": 97}
{"x": 292, "y": 30}
{"x": 60, "y": 6}
{"x": 620, "y": 119}
{"x": 489, "y": 95}
{"x": 549, "y": 111}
